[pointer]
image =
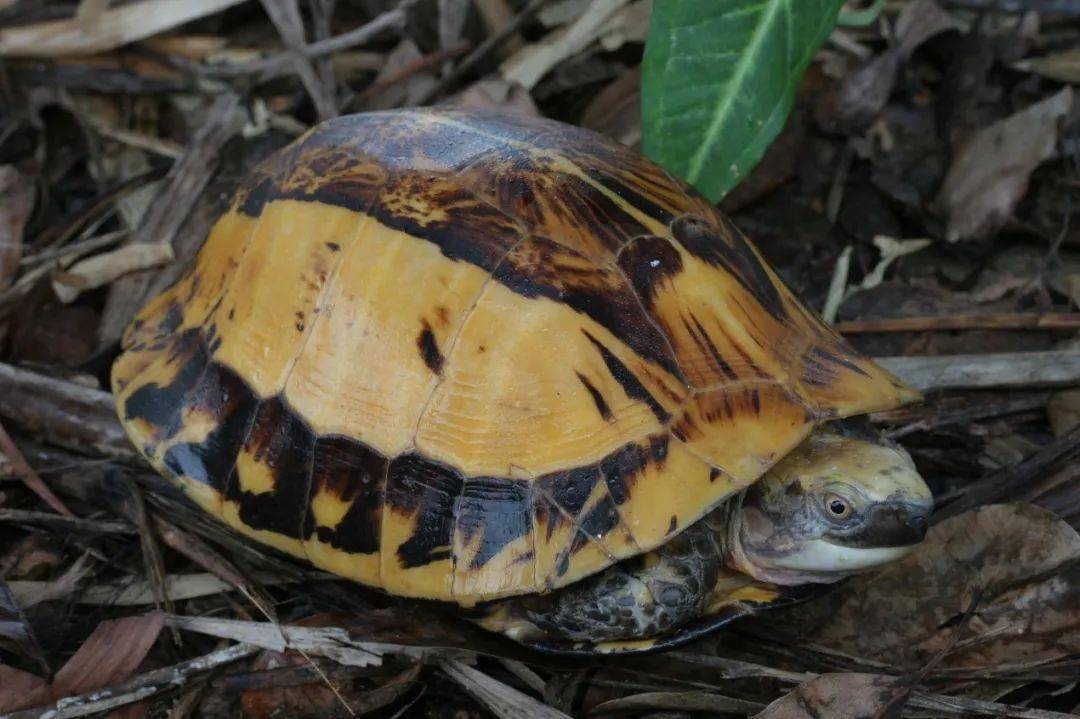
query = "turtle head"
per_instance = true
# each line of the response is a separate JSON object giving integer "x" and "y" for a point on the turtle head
{"x": 834, "y": 506}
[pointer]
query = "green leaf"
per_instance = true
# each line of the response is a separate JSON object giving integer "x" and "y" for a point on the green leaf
{"x": 719, "y": 80}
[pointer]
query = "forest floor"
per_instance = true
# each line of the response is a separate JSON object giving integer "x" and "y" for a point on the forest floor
{"x": 924, "y": 197}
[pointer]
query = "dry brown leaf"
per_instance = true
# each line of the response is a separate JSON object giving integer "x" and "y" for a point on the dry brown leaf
{"x": 693, "y": 701}
{"x": 406, "y": 92}
{"x": 111, "y": 653}
{"x": 15, "y": 686}
{"x": 1063, "y": 66}
{"x": 863, "y": 93}
{"x": 16, "y": 203}
{"x": 494, "y": 93}
{"x": 841, "y": 696}
{"x": 316, "y": 699}
{"x": 1064, "y": 411}
{"x": 990, "y": 171}
{"x": 100, "y": 270}
{"x": 111, "y": 29}
{"x": 1023, "y": 564}
{"x": 616, "y": 110}
{"x": 16, "y": 631}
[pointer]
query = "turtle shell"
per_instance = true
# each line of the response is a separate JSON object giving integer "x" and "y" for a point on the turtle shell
{"x": 462, "y": 356}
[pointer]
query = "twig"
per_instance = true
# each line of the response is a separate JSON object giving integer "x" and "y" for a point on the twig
{"x": 285, "y": 14}
{"x": 482, "y": 51}
{"x": 999, "y": 321}
{"x": 184, "y": 183}
{"x": 417, "y": 65}
{"x": 29, "y": 477}
{"x": 1007, "y": 369}
{"x": 139, "y": 688}
{"x": 153, "y": 562}
{"x": 65, "y": 523}
{"x": 1003, "y": 482}
{"x": 276, "y": 65}
{"x": 69, "y": 414}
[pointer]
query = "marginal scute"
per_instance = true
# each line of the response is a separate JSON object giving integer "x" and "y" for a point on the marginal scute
{"x": 462, "y": 355}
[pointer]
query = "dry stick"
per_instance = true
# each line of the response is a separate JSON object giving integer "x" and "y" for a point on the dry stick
{"x": 64, "y": 523}
{"x": 185, "y": 182}
{"x": 280, "y": 64}
{"x": 28, "y": 475}
{"x": 1005, "y": 321}
{"x": 1003, "y": 482}
{"x": 68, "y": 414}
{"x": 418, "y": 65}
{"x": 1007, "y": 369}
{"x": 483, "y": 50}
{"x": 153, "y": 562}
{"x": 285, "y": 14}
{"x": 137, "y": 689}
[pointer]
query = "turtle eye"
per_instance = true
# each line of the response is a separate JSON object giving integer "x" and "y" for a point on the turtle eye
{"x": 837, "y": 506}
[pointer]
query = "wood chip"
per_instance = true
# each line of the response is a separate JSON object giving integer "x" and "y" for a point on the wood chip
{"x": 103, "y": 269}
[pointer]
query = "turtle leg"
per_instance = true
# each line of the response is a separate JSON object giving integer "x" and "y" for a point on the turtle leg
{"x": 645, "y": 596}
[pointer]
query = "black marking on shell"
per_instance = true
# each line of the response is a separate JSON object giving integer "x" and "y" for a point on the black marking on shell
{"x": 427, "y": 491}
{"x": 701, "y": 337}
{"x": 726, "y": 247}
{"x": 354, "y": 473}
{"x": 649, "y": 261}
{"x": 222, "y": 396}
{"x": 627, "y": 380}
{"x": 540, "y": 267}
{"x": 282, "y": 444}
{"x": 597, "y": 398}
{"x": 160, "y": 406}
{"x": 499, "y": 510}
{"x": 429, "y": 349}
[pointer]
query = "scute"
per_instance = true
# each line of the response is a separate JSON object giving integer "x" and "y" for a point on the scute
{"x": 463, "y": 356}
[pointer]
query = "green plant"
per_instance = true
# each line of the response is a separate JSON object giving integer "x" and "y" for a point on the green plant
{"x": 719, "y": 80}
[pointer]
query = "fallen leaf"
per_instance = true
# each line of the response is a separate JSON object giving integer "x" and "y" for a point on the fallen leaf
{"x": 15, "y": 630}
{"x": 863, "y": 93}
{"x": 1063, "y": 66}
{"x": 406, "y": 92}
{"x": 616, "y": 110}
{"x": 315, "y": 699}
{"x": 1064, "y": 411}
{"x": 111, "y": 653}
{"x": 16, "y": 203}
{"x": 495, "y": 93}
{"x": 15, "y": 686}
{"x": 693, "y": 701}
{"x": 841, "y": 696}
{"x": 1020, "y": 561}
{"x": 990, "y": 171}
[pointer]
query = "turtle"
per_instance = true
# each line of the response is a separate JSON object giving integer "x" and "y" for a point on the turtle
{"x": 510, "y": 365}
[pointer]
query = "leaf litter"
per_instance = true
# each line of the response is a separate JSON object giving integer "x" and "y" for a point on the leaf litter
{"x": 930, "y": 165}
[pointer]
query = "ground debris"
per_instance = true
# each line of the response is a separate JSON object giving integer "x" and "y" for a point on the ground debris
{"x": 922, "y": 196}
